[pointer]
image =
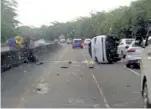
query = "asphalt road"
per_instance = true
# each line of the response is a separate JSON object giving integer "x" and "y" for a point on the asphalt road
{"x": 56, "y": 83}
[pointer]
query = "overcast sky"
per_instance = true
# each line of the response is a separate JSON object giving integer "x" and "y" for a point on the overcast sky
{"x": 39, "y": 12}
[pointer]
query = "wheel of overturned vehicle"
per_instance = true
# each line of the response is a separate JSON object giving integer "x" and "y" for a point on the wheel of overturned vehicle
{"x": 128, "y": 65}
{"x": 96, "y": 60}
{"x": 145, "y": 97}
{"x": 122, "y": 54}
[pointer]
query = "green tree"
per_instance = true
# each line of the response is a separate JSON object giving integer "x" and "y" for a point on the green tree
{"x": 8, "y": 21}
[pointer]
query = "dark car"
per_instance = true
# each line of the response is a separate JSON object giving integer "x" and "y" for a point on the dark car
{"x": 77, "y": 43}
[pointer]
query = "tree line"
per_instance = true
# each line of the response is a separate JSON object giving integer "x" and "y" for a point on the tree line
{"x": 120, "y": 22}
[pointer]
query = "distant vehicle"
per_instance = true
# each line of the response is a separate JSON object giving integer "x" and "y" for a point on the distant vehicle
{"x": 56, "y": 40}
{"x": 133, "y": 55}
{"x": 62, "y": 40}
{"x": 77, "y": 43}
{"x": 87, "y": 41}
{"x": 146, "y": 73}
{"x": 106, "y": 49}
{"x": 123, "y": 46}
{"x": 40, "y": 42}
{"x": 69, "y": 41}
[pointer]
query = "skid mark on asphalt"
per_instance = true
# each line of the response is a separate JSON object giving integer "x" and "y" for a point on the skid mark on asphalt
{"x": 132, "y": 71}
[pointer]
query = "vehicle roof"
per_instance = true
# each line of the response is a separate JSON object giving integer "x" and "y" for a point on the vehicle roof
{"x": 134, "y": 42}
{"x": 101, "y": 36}
{"x": 88, "y": 39}
{"x": 77, "y": 39}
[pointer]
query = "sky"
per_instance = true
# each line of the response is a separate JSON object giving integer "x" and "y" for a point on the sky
{"x": 42, "y": 12}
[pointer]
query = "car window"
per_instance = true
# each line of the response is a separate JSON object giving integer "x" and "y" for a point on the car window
{"x": 135, "y": 44}
{"x": 129, "y": 41}
{"x": 76, "y": 41}
{"x": 121, "y": 43}
{"x": 149, "y": 40}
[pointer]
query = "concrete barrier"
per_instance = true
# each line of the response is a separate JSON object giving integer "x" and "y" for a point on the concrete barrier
{"x": 14, "y": 58}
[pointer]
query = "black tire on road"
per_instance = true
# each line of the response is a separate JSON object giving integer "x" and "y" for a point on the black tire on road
{"x": 122, "y": 54}
{"x": 128, "y": 65}
{"x": 145, "y": 96}
{"x": 96, "y": 60}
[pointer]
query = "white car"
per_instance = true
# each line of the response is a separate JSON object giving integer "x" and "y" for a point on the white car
{"x": 69, "y": 41}
{"x": 87, "y": 41}
{"x": 146, "y": 73}
{"x": 123, "y": 46}
{"x": 62, "y": 40}
{"x": 133, "y": 55}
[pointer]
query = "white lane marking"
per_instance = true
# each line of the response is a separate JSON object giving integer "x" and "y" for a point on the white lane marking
{"x": 132, "y": 71}
{"x": 83, "y": 56}
{"x": 100, "y": 90}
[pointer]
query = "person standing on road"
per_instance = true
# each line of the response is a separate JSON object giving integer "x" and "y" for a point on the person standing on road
{"x": 12, "y": 43}
{"x": 18, "y": 41}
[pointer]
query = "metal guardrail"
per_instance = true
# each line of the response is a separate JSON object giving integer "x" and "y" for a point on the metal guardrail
{"x": 14, "y": 58}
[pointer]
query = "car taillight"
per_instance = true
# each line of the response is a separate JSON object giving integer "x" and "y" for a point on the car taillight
{"x": 131, "y": 50}
{"x": 82, "y": 43}
{"x": 127, "y": 47}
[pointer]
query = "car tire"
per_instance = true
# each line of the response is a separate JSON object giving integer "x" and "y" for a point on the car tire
{"x": 73, "y": 47}
{"x": 128, "y": 65}
{"x": 96, "y": 60}
{"x": 82, "y": 47}
{"x": 145, "y": 96}
{"x": 122, "y": 54}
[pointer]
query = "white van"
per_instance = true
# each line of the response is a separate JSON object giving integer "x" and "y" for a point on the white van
{"x": 106, "y": 49}
{"x": 145, "y": 66}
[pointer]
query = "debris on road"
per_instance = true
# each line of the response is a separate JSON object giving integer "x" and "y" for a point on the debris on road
{"x": 81, "y": 77}
{"x": 94, "y": 98}
{"x": 91, "y": 64}
{"x": 58, "y": 74}
{"x": 128, "y": 85}
{"x": 64, "y": 66}
{"x": 70, "y": 62}
{"x": 39, "y": 63}
{"x": 42, "y": 88}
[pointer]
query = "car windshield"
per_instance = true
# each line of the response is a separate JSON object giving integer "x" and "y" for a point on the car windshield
{"x": 88, "y": 40}
{"x": 77, "y": 41}
{"x": 67, "y": 54}
{"x": 129, "y": 41}
{"x": 135, "y": 44}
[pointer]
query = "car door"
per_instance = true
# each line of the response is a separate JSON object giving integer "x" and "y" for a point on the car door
{"x": 120, "y": 47}
{"x": 146, "y": 64}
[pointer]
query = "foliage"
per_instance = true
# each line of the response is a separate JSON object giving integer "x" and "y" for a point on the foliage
{"x": 121, "y": 22}
{"x": 8, "y": 21}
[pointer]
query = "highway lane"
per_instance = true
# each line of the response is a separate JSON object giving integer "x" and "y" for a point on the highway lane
{"x": 49, "y": 85}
